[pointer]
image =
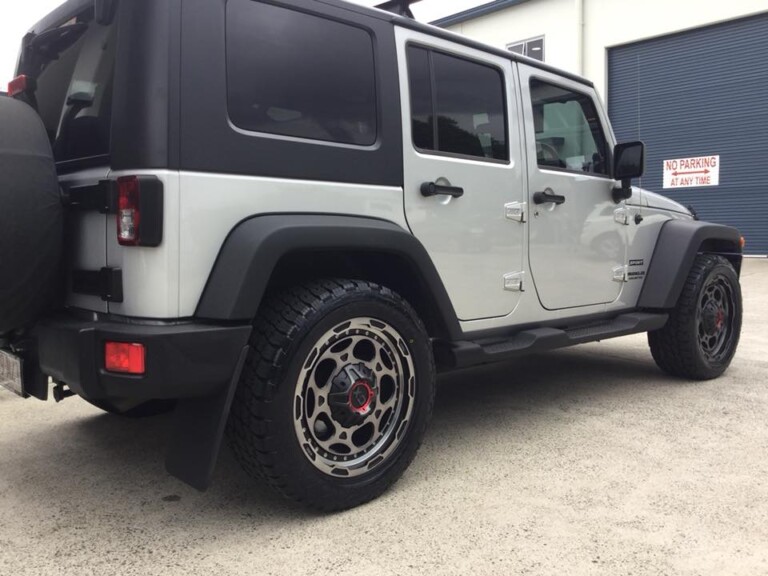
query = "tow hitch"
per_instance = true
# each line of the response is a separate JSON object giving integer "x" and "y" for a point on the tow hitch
{"x": 61, "y": 391}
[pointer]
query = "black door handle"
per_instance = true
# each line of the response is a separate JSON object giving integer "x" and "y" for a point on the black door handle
{"x": 433, "y": 189}
{"x": 548, "y": 196}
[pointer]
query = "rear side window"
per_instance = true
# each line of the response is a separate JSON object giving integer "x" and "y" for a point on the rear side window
{"x": 457, "y": 105}
{"x": 295, "y": 74}
{"x": 74, "y": 66}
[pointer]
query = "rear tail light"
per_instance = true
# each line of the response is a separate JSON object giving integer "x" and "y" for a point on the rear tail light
{"x": 139, "y": 211}
{"x": 128, "y": 211}
{"x": 19, "y": 85}
{"x": 124, "y": 357}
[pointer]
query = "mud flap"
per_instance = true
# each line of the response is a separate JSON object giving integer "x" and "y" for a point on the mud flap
{"x": 198, "y": 431}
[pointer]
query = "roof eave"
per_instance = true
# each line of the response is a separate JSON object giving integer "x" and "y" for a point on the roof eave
{"x": 476, "y": 12}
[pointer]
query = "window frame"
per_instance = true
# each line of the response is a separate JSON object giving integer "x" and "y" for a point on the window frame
{"x": 303, "y": 139}
{"x": 524, "y": 44}
{"x": 608, "y": 148}
{"x": 103, "y": 158}
{"x": 505, "y": 101}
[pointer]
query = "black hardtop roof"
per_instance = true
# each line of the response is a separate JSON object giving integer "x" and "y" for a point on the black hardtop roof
{"x": 71, "y": 7}
{"x": 454, "y": 37}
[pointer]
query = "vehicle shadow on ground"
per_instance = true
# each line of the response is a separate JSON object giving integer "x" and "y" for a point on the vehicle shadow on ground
{"x": 97, "y": 451}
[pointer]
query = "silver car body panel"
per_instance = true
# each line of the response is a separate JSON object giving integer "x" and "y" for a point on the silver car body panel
{"x": 490, "y": 243}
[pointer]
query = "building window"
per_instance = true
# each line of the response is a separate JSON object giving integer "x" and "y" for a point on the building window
{"x": 295, "y": 74}
{"x": 533, "y": 48}
{"x": 467, "y": 99}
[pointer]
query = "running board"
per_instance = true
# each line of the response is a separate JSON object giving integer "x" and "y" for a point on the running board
{"x": 461, "y": 354}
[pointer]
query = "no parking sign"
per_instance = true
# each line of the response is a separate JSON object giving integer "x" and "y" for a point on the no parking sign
{"x": 692, "y": 172}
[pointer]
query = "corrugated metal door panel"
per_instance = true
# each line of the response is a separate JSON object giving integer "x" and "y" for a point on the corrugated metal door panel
{"x": 697, "y": 93}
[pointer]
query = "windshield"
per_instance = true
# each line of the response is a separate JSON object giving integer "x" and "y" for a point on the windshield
{"x": 73, "y": 65}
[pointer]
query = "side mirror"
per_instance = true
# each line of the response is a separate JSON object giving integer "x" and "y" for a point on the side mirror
{"x": 628, "y": 163}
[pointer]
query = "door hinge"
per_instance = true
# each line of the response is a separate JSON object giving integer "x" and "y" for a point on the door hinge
{"x": 513, "y": 282}
{"x": 515, "y": 211}
{"x": 101, "y": 197}
{"x": 621, "y": 216}
{"x": 106, "y": 283}
{"x": 620, "y": 274}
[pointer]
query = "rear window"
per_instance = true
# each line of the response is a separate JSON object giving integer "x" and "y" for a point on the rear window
{"x": 295, "y": 74}
{"x": 74, "y": 66}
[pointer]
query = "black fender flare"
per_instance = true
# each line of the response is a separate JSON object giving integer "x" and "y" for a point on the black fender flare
{"x": 677, "y": 245}
{"x": 253, "y": 248}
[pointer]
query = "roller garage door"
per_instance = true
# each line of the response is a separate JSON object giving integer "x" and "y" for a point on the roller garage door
{"x": 700, "y": 93}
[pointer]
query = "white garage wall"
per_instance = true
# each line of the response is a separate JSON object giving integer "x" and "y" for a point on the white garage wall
{"x": 606, "y": 23}
{"x": 553, "y": 19}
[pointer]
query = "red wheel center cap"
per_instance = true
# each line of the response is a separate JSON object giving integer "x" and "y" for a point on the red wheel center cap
{"x": 720, "y": 318}
{"x": 360, "y": 396}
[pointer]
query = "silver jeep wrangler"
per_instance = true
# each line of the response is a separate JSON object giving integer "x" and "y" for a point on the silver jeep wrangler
{"x": 281, "y": 218}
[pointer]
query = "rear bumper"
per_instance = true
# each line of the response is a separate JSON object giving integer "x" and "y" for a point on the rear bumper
{"x": 183, "y": 360}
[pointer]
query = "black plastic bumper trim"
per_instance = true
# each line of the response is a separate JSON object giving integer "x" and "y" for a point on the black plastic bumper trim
{"x": 182, "y": 360}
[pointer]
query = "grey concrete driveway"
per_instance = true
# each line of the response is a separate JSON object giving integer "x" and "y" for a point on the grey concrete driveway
{"x": 583, "y": 461}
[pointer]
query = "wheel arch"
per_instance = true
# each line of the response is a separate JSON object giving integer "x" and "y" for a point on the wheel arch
{"x": 269, "y": 252}
{"x": 677, "y": 245}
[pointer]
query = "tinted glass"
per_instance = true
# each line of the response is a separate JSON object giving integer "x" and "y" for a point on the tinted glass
{"x": 74, "y": 71}
{"x": 569, "y": 134}
{"x": 468, "y": 102}
{"x": 422, "y": 119}
{"x": 299, "y": 75}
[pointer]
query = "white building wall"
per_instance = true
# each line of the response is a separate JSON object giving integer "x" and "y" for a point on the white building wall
{"x": 606, "y": 23}
{"x": 553, "y": 19}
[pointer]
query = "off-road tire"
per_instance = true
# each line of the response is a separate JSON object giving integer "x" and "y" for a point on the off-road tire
{"x": 677, "y": 348}
{"x": 288, "y": 330}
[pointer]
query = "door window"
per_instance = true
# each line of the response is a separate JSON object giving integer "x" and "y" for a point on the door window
{"x": 569, "y": 135}
{"x": 466, "y": 98}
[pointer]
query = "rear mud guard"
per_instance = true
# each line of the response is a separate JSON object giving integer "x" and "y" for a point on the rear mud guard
{"x": 198, "y": 432}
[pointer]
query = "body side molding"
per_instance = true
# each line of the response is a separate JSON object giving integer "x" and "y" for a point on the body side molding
{"x": 254, "y": 247}
{"x": 676, "y": 248}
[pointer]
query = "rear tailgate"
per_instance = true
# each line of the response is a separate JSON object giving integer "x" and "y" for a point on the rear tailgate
{"x": 71, "y": 65}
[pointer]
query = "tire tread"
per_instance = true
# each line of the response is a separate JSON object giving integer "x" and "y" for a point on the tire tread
{"x": 277, "y": 327}
{"x": 675, "y": 347}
